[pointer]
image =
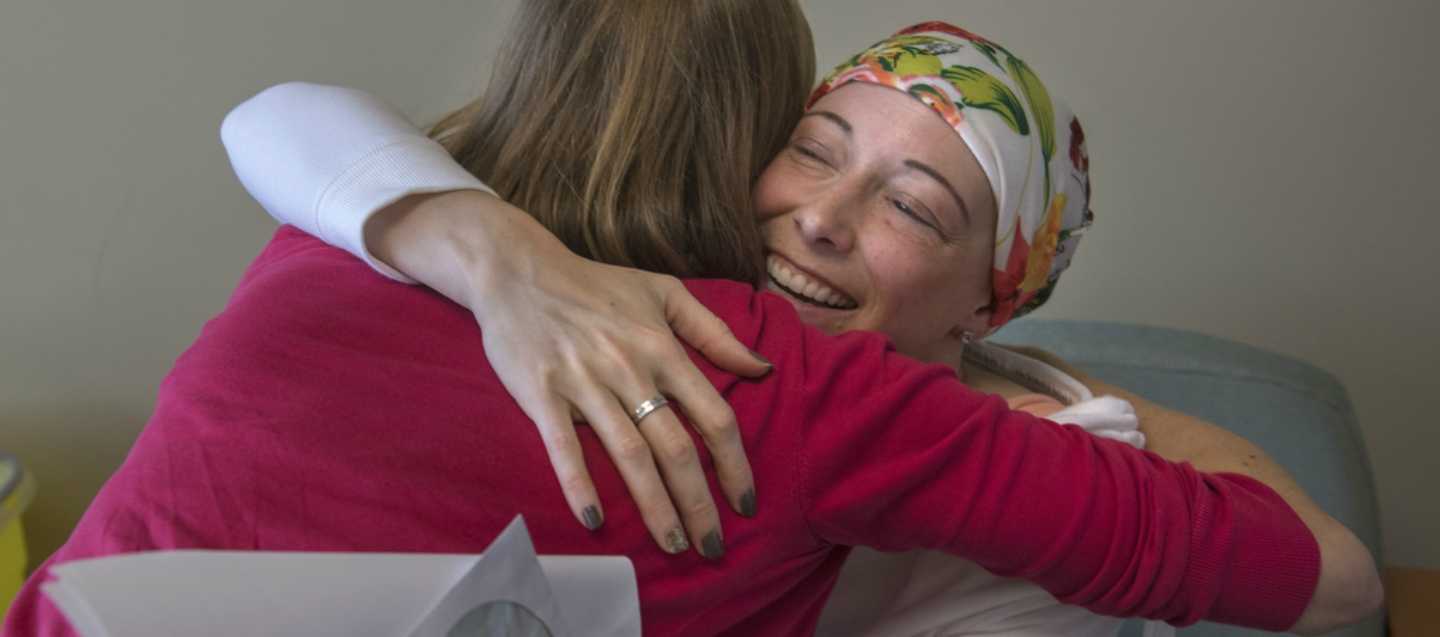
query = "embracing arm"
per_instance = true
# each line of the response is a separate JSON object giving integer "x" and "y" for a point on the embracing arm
{"x": 1349, "y": 588}
{"x": 327, "y": 159}
{"x": 1094, "y": 522}
{"x": 569, "y": 337}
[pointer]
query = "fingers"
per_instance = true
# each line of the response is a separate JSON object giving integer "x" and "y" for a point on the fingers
{"x": 715, "y": 420}
{"x": 557, "y": 429}
{"x": 701, "y": 329}
{"x": 632, "y": 456}
{"x": 674, "y": 452}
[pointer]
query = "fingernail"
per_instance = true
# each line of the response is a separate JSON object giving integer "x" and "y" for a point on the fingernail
{"x": 675, "y": 541}
{"x": 712, "y": 547}
{"x": 592, "y": 517}
{"x": 747, "y": 503}
{"x": 762, "y": 359}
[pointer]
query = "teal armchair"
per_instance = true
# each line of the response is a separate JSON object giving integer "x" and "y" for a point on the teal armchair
{"x": 1296, "y": 412}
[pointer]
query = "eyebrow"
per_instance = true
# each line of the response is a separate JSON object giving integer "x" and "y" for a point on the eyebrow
{"x": 935, "y": 174}
{"x": 835, "y": 119}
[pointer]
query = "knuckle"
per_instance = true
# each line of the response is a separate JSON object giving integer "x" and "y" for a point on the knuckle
{"x": 624, "y": 373}
{"x": 725, "y": 439}
{"x": 631, "y": 449}
{"x": 574, "y": 482}
{"x": 668, "y": 282}
{"x": 560, "y": 440}
{"x": 720, "y": 422}
{"x": 699, "y": 509}
{"x": 677, "y": 452}
{"x": 550, "y": 375}
{"x": 658, "y": 342}
{"x": 717, "y": 423}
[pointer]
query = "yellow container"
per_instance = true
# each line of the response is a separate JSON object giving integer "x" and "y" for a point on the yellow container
{"x": 16, "y": 491}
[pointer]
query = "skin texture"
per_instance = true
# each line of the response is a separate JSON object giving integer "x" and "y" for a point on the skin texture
{"x": 878, "y": 198}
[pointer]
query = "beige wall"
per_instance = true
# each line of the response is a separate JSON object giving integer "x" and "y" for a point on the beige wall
{"x": 1262, "y": 172}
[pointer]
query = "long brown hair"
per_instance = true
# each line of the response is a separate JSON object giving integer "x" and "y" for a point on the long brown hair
{"x": 634, "y": 129}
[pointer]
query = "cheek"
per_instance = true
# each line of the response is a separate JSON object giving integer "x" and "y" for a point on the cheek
{"x": 924, "y": 297}
{"x": 785, "y": 187}
{"x": 772, "y": 195}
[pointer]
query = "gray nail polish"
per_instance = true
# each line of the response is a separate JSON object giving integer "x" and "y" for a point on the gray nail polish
{"x": 676, "y": 542}
{"x": 747, "y": 503}
{"x": 592, "y": 517}
{"x": 761, "y": 358}
{"x": 712, "y": 547}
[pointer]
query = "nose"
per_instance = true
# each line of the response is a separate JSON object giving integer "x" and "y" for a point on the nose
{"x": 828, "y": 223}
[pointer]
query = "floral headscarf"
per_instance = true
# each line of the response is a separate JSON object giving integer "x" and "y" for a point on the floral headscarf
{"x": 1030, "y": 146}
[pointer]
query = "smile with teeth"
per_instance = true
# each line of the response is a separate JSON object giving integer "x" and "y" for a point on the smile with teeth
{"x": 805, "y": 288}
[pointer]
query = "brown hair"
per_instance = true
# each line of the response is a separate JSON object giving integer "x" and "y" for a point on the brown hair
{"x": 634, "y": 129}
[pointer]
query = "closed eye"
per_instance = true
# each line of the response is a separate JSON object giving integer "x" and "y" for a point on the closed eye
{"x": 910, "y": 212}
{"x": 808, "y": 153}
{"x": 918, "y": 216}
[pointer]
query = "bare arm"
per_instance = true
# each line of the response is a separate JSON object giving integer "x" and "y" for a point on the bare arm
{"x": 1349, "y": 588}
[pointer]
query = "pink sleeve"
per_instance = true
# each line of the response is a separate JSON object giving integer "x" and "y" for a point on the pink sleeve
{"x": 925, "y": 462}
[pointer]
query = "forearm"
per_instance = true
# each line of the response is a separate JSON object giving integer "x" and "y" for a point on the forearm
{"x": 1349, "y": 586}
{"x": 461, "y": 243}
{"x": 1184, "y": 438}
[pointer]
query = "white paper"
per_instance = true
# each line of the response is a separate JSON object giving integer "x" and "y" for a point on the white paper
{"x": 241, "y": 593}
{"x": 505, "y": 591}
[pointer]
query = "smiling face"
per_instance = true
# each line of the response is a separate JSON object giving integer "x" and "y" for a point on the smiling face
{"x": 877, "y": 217}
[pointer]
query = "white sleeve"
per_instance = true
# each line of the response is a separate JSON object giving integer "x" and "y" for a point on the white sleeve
{"x": 1106, "y": 417}
{"x": 326, "y": 158}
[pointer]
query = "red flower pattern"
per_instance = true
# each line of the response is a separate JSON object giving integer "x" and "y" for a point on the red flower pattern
{"x": 1078, "y": 155}
{"x": 935, "y": 26}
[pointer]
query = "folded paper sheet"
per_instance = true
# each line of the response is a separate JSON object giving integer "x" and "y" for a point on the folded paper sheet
{"x": 222, "y": 593}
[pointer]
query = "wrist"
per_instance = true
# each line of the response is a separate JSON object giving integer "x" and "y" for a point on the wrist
{"x": 450, "y": 241}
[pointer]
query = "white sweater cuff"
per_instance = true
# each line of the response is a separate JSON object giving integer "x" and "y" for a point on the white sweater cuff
{"x": 408, "y": 166}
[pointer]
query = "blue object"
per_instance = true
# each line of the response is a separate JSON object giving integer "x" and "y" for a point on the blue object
{"x": 1296, "y": 412}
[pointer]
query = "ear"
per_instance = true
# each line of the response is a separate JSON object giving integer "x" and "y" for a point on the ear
{"x": 976, "y": 325}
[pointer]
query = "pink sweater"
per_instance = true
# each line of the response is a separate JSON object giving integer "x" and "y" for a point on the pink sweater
{"x": 327, "y": 409}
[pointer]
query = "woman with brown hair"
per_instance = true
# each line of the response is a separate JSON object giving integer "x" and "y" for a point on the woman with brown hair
{"x": 354, "y": 414}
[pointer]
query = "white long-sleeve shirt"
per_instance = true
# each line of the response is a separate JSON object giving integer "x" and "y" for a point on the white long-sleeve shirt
{"x": 326, "y": 159}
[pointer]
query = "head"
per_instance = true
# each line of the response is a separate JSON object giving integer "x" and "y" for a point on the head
{"x": 933, "y": 191}
{"x": 634, "y": 129}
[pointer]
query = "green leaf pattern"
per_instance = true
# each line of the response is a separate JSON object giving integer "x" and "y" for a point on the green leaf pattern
{"x": 979, "y": 89}
{"x": 1040, "y": 105}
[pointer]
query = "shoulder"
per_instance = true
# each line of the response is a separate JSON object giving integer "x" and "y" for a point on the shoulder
{"x": 741, "y": 301}
{"x": 302, "y": 295}
{"x": 292, "y": 252}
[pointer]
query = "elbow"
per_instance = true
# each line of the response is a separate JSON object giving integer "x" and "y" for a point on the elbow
{"x": 1367, "y": 597}
{"x": 246, "y": 115}
{"x": 1350, "y": 588}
